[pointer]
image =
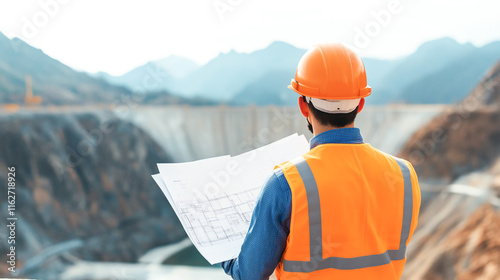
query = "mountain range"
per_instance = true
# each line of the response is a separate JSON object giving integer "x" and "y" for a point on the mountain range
{"x": 59, "y": 84}
{"x": 54, "y": 81}
{"x": 439, "y": 71}
{"x": 155, "y": 75}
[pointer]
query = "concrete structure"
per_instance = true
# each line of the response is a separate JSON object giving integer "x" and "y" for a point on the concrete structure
{"x": 191, "y": 133}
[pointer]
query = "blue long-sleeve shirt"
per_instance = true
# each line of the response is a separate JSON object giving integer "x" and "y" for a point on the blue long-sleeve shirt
{"x": 270, "y": 224}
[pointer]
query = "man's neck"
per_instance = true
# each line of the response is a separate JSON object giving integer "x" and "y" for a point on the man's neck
{"x": 318, "y": 129}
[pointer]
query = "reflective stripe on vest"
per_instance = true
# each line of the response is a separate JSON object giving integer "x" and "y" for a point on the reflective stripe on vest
{"x": 317, "y": 262}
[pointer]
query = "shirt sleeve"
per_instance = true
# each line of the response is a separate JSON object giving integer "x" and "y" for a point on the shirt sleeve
{"x": 267, "y": 235}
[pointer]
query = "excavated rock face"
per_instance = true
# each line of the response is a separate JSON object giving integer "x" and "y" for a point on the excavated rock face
{"x": 478, "y": 246}
{"x": 463, "y": 139}
{"x": 85, "y": 176}
{"x": 470, "y": 251}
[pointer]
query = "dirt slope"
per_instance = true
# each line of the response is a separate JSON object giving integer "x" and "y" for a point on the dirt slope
{"x": 463, "y": 139}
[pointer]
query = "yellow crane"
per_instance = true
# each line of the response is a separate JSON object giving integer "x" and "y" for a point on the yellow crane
{"x": 31, "y": 99}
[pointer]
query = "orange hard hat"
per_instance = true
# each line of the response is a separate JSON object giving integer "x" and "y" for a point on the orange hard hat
{"x": 331, "y": 72}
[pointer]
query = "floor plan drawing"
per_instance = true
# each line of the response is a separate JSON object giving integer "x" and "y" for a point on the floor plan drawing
{"x": 214, "y": 198}
{"x": 204, "y": 218}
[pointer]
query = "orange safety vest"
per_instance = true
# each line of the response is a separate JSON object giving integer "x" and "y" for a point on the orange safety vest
{"x": 354, "y": 210}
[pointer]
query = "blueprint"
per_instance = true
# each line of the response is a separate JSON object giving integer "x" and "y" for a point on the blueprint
{"x": 214, "y": 198}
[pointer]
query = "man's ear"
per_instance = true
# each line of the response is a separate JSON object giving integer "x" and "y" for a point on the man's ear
{"x": 304, "y": 109}
{"x": 361, "y": 104}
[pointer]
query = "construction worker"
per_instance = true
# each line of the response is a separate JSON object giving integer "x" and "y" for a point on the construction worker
{"x": 344, "y": 210}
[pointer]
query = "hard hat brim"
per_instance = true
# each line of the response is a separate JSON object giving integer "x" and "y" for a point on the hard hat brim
{"x": 290, "y": 87}
{"x": 364, "y": 92}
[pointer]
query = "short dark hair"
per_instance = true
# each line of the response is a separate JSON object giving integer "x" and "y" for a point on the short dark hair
{"x": 335, "y": 120}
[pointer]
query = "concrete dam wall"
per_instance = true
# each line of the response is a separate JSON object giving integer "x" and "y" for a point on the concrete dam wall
{"x": 191, "y": 133}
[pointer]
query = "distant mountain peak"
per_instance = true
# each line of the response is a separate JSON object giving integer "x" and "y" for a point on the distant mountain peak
{"x": 177, "y": 66}
{"x": 443, "y": 40}
{"x": 273, "y": 47}
{"x": 279, "y": 45}
{"x": 3, "y": 37}
{"x": 439, "y": 44}
{"x": 174, "y": 59}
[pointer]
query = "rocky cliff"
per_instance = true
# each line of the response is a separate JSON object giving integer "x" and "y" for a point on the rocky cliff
{"x": 83, "y": 182}
{"x": 463, "y": 139}
{"x": 469, "y": 251}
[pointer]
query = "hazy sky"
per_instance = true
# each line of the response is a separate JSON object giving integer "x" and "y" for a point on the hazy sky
{"x": 117, "y": 35}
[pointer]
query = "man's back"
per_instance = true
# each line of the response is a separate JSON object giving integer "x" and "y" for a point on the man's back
{"x": 354, "y": 209}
